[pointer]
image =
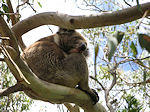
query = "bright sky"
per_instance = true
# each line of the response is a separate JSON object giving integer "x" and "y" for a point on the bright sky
{"x": 68, "y": 7}
{"x": 61, "y": 6}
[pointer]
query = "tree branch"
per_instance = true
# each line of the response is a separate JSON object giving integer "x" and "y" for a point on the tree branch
{"x": 78, "y": 22}
{"x": 17, "y": 87}
{"x": 136, "y": 83}
{"x": 108, "y": 103}
{"x": 98, "y": 82}
{"x": 40, "y": 89}
{"x": 6, "y": 32}
{"x": 135, "y": 61}
{"x": 14, "y": 21}
{"x": 72, "y": 108}
{"x": 2, "y": 59}
{"x": 10, "y": 8}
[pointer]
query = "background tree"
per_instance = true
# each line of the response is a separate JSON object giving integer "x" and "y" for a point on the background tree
{"x": 14, "y": 102}
{"x": 120, "y": 68}
{"x": 120, "y": 59}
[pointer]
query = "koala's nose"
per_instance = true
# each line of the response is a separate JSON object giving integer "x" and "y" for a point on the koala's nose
{"x": 82, "y": 46}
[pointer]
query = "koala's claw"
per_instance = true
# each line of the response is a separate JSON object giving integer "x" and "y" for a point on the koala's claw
{"x": 95, "y": 97}
{"x": 93, "y": 94}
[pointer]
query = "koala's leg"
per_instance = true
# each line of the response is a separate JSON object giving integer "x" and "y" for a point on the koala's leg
{"x": 77, "y": 65}
{"x": 83, "y": 85}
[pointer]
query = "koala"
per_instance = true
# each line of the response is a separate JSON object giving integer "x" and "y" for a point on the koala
{"x": 61, "y": 59}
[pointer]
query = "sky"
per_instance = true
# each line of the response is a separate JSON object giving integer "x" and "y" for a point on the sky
{"x": 68, "y": 7}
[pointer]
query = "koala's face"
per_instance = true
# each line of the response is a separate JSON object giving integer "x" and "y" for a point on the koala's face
{"x": 72, "y": 42}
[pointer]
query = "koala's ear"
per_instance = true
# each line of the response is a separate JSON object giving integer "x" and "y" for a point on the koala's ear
{"x": 65, "y": 31}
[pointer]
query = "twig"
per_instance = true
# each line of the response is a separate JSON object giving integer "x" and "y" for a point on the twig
{"x": 17, "y": 9}
{"x": 92, "y": 5}
{"x": 145, "y": 14}
{"x": 2, "y": 59}
{"x": 31, "y": 7}
{"x": 11, "y": 12}
{"x": 127, "y": 3}
{"x": 134, "y": 60}
{"x": 113, "y": 72}
{"x": 98, "y": 82}
{"x": 136, "y": 83}
{"x": 4, "y": 38}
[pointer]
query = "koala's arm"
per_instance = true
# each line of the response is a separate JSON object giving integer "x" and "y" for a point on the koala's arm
{"x": 75, "y": 64}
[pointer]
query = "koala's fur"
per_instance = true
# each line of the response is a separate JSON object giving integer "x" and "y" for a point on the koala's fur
{"x": 60, "y": 59}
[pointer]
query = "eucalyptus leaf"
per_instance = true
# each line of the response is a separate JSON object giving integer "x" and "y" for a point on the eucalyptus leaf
{"x": 144, "y": 41}
{"x": 133, "y": 49}
{"x": 1, "y": 12}
{"x": 113, "y": 42}
{"x": 5, "y": 8}
{"x": 96, "y": 50}
{"x": 95, "y": 58}
{"x": 39, "y": 4}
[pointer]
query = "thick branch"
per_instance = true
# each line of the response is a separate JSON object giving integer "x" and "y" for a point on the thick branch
{"x": 6, "y": 32}
{"x": 78, "y": 22}
{"x": 43, "y": 90}
{"x": 12, "y": 89}
{"x": 56, "y": 93}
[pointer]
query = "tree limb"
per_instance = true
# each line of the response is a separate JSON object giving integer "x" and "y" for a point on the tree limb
{"x": 98, "y": 82}
{"x": 72, "y": 108}
{"x": 17, "y": 87}
{"x": 2, "y": 59}
{"x": 10, "y": 8}
{"x": 43, "y": 90}
{"x": 14, "y": 21}
{"x": 107, "y": 91}
{"x": 80, "y": 22}
{"x": 6, "y": 32}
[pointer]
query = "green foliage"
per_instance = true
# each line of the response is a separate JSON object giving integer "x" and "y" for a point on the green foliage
{"x": 133, "y": 48}
{"x": 39, "y": 4}
{"x": 133, "y": 105}
{"x": 4, "y": 10}
{"x": 144, "y": 41}
{"x": 13, "y": 102}
{"x": 129, "y": 73}
{"x": 96, "y": 50}
{"x": 113, "y": 41}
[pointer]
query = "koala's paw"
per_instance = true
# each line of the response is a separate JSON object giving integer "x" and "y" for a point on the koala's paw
{"x": 92, "y": 93}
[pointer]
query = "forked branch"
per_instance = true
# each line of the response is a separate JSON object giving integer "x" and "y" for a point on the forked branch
{"x": 48, "y": 92}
